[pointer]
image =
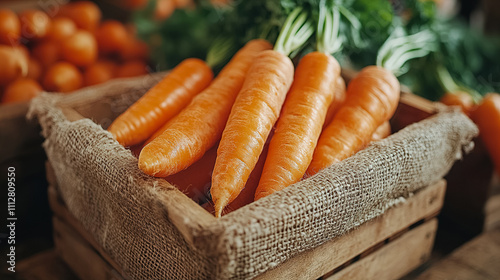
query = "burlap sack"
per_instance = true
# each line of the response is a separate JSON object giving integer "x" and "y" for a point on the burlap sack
{"x": 129, "y": 213}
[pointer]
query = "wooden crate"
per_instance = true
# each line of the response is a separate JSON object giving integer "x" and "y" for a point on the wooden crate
{"x": 404, "y": 235}
{"x": 470, "y": 180}
{"x": 387, "y": 238}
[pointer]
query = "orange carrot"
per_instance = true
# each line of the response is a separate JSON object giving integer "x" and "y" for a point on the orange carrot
{"x": 382, "y": 131}
{"x": 487, "y": 118}
{"x": 339, "y": 100}
{"x": 371, "y": 99}
{"x": 198, "y": 127}
{"x": 300, "y": 122}
{"x": 459, "y": 98}
{"x": 253, "y": 115}
{"x": 247, "y": 194}
{"x": 162, "y": 102}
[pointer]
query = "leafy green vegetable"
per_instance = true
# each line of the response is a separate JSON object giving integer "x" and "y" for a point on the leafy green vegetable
{"x": 186, "y": 33}
{"x": 470, "y": 59}
{"x": 445, "y": 54}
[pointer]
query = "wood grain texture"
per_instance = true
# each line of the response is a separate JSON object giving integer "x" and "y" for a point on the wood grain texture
{"x": 395, "y": 259}
{"x": 83, "y": 259}
{"x": 477, "y": 259}
{"x": 46, "y": 265}
{"x": 323, "y": 259}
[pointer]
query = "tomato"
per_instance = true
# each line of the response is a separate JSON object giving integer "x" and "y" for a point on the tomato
{"x": 34, "y": 24}
{"x": 132, "y": 68}
{"x": 14, "y": 64}
{"x": 182, "y": 3}
{"x": 164, "y": 8}
{"x": 61, "y": 28}
{"x": 34, "y": 69}
{"x": 99, "y": 72}
{"x": 80, "y": 49}
{"x": 134, "y": 49}
{"x": 62, "y": 77}
{"x": 111, "y": 36}
{"x": 21, "y": 90}
{"x": 47, "y": 52}
{"x": 85, "y": 14}
{"x": 10, "y": 27}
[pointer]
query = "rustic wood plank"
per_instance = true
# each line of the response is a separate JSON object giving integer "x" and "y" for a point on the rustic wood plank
{"x": 62, "y": 213}
{"x": 46, "y": 265}
{"x": 315, "y": 263}
{"x": 80, "y": 256}
{"x": 395, "y": 259}
{"x": 477, "y": 259}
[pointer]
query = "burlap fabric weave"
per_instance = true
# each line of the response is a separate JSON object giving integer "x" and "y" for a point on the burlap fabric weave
{"x": 124, "y": 211}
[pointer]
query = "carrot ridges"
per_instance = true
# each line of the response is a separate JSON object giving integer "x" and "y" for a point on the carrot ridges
{"x": 162, "y": 102}
{"x": 371, "y": 99}
{"x": 300, "y": 122}
{"x": 253, "y": 115}
{"x": 199, "y": 126}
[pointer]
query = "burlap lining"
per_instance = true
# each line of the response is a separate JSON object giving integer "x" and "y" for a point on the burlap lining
{"x": 124, "y": 209}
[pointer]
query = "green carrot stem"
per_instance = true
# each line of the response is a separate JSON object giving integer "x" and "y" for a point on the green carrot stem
{"x": 295, "y": 32}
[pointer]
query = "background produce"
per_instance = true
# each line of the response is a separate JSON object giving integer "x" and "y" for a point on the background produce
{"x": 469, "y": 55}
{"x": 65, "y": 49}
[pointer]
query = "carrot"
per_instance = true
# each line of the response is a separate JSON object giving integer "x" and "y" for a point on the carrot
{"x": 256, "y": 110}
{"x": 247, "y": 194}
{"x": 199, "y": 126}
{"x": 487, "y": 118}
{"x": 459, "y": 98}
{"x": 339, "y": 90}
{"x": 253, "y": 115}
{"x": 300, "y": 122}
{"x": 162, "y": 102}
{"x": 371, "y": 99}
{"x": 382, "y": 131}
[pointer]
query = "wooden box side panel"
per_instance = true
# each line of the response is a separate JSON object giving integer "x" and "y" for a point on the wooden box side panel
{"x": 317, "y": 262}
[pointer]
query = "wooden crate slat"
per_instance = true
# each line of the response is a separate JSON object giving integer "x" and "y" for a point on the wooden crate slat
{"x": 83, "y": 259}
{"x": 323, "y": 259}
{"x": 395, "y": 259}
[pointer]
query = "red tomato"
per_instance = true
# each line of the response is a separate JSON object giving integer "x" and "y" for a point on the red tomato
{"x": 47, "y": 52}
{"x": 21, "y": 90}
{"x": 80, "y": 49}
{"x": 61, "y": 28}
{"x": 99, "y": 72}
{"x": 10, "y": 27}
{"x": 132, "y": 69}
{"x": 34, "y": 24}
{"x": 111, "y": 36}
{"x": 85, "y": 14}
{"x": 34, "y": 69}
{"x": 14, "y": 64}
{"x": 62, "y": 77}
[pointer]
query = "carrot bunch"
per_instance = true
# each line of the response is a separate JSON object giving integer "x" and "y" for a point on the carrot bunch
{"x": 64, "y": 49}
{"x": 270, "y": 123}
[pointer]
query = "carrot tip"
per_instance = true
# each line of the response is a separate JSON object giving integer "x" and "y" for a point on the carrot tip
{"x": 220, "y": 204}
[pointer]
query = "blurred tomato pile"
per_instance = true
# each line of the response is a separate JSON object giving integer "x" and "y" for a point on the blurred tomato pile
{"x": 68, "y": 50}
